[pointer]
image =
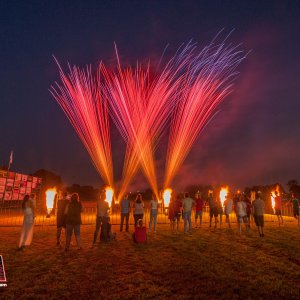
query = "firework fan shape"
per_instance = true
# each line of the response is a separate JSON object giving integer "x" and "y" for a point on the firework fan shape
{"x": 187, "y": 89}
{"x": 208, "y": 80}
{"x": 141, "y": 104}
{"x": 80, "y": 99}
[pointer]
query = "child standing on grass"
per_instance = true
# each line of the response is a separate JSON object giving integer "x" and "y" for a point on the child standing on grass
{"x": 258, "y": 214}
{"x": 73, "y": 220}
{"x": 241, "y": 209}
{"x": 140, "y": 233}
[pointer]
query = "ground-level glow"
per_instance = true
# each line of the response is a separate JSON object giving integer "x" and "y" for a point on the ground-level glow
{"x": 223, "y": 194}
{"x": 167, "y": 197}
{"x": 109, "y": 193}
{"x": 50, "y": 195}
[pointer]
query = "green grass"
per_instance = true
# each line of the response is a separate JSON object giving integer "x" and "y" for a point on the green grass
{"x": 210, "y": 264}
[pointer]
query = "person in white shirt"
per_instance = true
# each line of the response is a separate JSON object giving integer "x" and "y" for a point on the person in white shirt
{"x": 241, "y": 211}
{"x": 228, "y": 203}
{"x": 28, "y": 223}
{"x": 153, "y": 213}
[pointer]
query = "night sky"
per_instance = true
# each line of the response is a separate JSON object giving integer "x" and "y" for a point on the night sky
{"x": 255, "y": 139}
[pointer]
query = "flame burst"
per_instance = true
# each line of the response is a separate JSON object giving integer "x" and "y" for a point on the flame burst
{"x": 50, "y": 195}
{"x": 223, "y": 194}
{"x": 80, "y": 98}
{"x": 208, "y": 80}
{"x": 167, "y": 197}
{"x": 109, "y": 193}
{"x": 273, "y": 196}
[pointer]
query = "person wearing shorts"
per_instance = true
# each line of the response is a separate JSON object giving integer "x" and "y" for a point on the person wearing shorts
{"x": 199, "y": 204}
{"x": 241, "y": 208}
{"x": 258, "y": 214}
{"x": 228, "y": 203}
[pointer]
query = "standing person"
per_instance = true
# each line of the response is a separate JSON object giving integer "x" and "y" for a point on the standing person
{"x": 172, "y": 215}
{"x": 199, "y": 204}
{"x": 138, "y": 209}
{"x": 102, "y": 216}
{"x": 125, "y": 210}
{"x": 73, "y": 220}
{"x": 258, "y": 214}
{"x": 153, "y": 212}
{"x": 248, "y": 203}
{"x": 187, "y": 205}
{"x": 60, "y": 216}
{"x": 241, "y": 210}
{"x": 220, "y": 210}
{"x": 228, "y": 203}
{"x": 213, "y": 210}
{"x": 295, "y": 203}
{"x": 178, "y": 209}
{"x": 278, "y": 208}
{"x": 28, "y": 223}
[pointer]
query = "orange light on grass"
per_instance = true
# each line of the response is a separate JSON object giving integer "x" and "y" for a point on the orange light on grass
{"x": 109, "y": 193}
{"x": 223, "y": 194}
{"x": 167, "y": 197}
{"x": 50, "y": 195}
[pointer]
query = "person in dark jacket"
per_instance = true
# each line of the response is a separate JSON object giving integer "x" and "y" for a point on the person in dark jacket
{"x": 60, "y": 216}
{"x": 73, "y": 220}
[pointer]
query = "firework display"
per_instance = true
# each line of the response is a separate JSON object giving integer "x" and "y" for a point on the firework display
{"x": 185, "y": 92}
{"x": 79, "y": 97}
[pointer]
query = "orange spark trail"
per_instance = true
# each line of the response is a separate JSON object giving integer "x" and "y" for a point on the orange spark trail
{"x": 141, "y": 106}
{"x": 206, "y": 82}
{"x": 80, "y": 98}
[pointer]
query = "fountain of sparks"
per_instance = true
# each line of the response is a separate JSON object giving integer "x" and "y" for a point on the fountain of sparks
{"x": 207, "y": 81}
{"x": 189, "y": 88}
{"x": 141, "y": 105}
{"x": 80, "y": 98}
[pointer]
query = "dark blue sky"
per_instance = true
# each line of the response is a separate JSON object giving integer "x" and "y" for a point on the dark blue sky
{"x": 254, "y": 139}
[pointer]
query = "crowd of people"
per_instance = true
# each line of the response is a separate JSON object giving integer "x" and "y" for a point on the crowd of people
{"x": 69, "y": 209}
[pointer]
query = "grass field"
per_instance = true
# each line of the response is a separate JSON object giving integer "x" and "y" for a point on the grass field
{"x": 210, "y": 264}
